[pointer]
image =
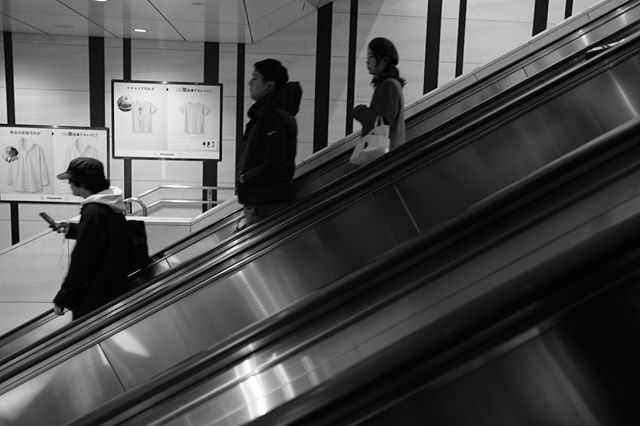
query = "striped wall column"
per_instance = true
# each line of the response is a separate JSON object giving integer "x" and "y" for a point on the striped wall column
{"x": 432, "y": 46}
{"x": 323, "y": 77}
{"x": 211, "y": 76}
{"x": 11, "y": 119}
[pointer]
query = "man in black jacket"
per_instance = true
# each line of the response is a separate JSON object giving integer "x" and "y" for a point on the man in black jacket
{"x": 99, "y": 263}
{"x": 267, "y": 153}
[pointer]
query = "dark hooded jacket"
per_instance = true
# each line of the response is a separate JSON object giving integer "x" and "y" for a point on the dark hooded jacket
{"x": 99, "y": 262}
{"x": 267, "y": 153}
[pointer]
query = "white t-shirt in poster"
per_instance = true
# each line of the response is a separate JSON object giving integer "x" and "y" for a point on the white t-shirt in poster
{"x": 29, "y": 173}
{"x": 80, "y": 148}
{"x": 142, "y": 113}
{"x": 194, "y": 113}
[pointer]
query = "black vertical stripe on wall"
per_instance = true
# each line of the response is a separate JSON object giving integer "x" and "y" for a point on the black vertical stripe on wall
{"x": 15, "y": 222}
{"x": 568, "y": 9}
{"x": 11, "y": 119}
{"x": 540, "y": 16}
{"x": 126, "y": 59}
{"x": 8, "y": 76}
{"x": 211, "y": 76}
{"x": 126, "y": 75}
{"x": 323, "y": 77}
{"x": 432, "y": 46}
{"x": 240, "y": 85}
{"x": 351, "y": 65}
{"x": 462, "y": 22}
{"x": 96, "y": 82}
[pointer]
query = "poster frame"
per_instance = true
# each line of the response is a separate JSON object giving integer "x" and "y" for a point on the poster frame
{"x": 107, "y": 162}
{"x": 163, "y": 83}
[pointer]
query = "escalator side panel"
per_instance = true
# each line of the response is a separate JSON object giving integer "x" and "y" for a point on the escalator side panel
{"x": 41, "y": 329}
{"x": 487, "y": 278}
{"x": 204, "y": 245}
{"x": 292, "y": 270}
{"x": 84, "y": 381}
{"x": 523, "y": 145}
{"x": 148, "y": 347}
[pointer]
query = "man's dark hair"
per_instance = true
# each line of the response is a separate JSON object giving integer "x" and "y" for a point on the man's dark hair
{"x": 93, "y": 184}
{"x": 272, "y": 70}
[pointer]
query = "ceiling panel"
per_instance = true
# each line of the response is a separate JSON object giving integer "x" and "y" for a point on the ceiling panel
{"x": 13, "y": 25}
{"x": 219, "y": 32}
{"x": 142, "y": 9}
{"x": 278, "y": 18}
{"x": 226, "y": 21}
{"x": 213, "y": 11}
{"x": 156, "y": 29}
{"x": 43, "y": 7}
{"x": 72, "y": 25}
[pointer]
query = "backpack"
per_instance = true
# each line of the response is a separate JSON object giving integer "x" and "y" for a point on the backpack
{"x": 136, "y": 242}
{"x": 138, "y": 248}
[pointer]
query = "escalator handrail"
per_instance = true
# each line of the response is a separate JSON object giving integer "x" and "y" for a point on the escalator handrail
{"x": 596, "y": 152}
{"x": 342, "y": 189}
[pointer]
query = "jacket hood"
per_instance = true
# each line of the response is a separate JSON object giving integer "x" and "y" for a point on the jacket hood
{"x": 112, "y": 197}
{"x": 287, "y": 97}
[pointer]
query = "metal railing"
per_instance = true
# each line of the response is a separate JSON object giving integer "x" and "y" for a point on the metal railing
{"x": 209, "y": 201}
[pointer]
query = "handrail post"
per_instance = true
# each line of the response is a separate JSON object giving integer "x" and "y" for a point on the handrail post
{"x": 129, "y": 201}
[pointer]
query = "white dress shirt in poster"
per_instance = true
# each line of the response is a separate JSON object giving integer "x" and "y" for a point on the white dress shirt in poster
{"x": 194, "y": 113}
{"x": 80, "y": 148}
{"x": 30, "y": 172}
{"x": 142, "y": 113}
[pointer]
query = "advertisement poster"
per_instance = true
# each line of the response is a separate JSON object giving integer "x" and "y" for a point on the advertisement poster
{"x": 32, "y": 156}
{"x": 179, "y": 121}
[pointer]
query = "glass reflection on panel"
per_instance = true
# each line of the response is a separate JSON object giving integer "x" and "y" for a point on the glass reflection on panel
{"x": 252, "y": 390}
{"x": 128, "y": 343}
{"x": 285, "y": 380}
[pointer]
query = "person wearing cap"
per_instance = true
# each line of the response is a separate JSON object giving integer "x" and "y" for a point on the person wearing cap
{"x": 98, "y": 268}
{"x": 387, "y": 100}
{"x": 267, "y": 152}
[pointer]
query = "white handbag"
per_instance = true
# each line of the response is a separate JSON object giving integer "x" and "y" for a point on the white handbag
{"x": 372, "y": 145}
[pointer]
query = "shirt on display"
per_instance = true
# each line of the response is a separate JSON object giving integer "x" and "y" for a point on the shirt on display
{"x": 80, "y": 148}
{"x": 142, "y": 112}
{"x": 194, "y": 116}
{"x": 30, "y": 172}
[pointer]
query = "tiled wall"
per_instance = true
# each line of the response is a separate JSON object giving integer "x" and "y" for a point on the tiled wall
{"x": 52, "y": 79}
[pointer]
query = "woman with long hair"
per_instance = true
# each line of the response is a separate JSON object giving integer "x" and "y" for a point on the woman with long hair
{"x": 387, "y": 100}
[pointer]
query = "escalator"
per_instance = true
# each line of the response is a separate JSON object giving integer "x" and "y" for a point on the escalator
{"x": 430, "y": 118}
{"x": 493, "y": 278}
{"x": 500, "y": 318}
{"x": 371, "y": 212}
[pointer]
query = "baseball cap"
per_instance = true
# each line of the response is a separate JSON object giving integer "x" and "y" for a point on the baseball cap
{"x": 83, "y": 167}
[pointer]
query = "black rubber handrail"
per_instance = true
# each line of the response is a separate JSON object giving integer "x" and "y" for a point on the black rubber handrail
{"x": 342, "y": 190}
{"x": 611, "y": 145}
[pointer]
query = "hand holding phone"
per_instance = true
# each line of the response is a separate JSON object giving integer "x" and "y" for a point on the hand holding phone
{"x": 52, "y": 223}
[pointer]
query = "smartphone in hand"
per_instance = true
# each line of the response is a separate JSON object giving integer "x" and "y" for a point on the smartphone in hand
{"x": 52, "y": 223}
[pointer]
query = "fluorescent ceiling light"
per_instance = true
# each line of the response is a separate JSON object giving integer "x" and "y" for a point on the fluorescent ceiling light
{"x": 140, "y": 30}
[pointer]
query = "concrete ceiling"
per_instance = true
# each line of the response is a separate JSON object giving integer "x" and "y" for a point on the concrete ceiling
{"x": 224, "y": 21}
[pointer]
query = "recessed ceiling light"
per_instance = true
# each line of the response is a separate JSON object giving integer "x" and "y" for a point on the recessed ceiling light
{"x": 140, "y": 30}
{"x": 100, "y": 1}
